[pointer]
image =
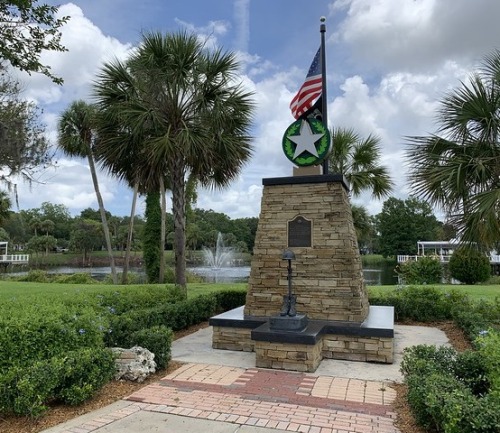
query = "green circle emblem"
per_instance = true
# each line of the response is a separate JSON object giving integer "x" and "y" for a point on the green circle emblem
{"x": 306, "y": 142}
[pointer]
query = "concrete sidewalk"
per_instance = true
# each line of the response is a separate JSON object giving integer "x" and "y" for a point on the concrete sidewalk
{"x": 221, "y": 391}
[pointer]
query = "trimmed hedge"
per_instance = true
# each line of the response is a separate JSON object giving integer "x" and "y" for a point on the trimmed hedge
{"x": 57, "y": 351}
{"x": 43, "y": 331}
{"x": 422, "y": 303}
{"x": 157, "y": 339}
{"x": 455, "y": 392}
{"x": 72, "y": 378}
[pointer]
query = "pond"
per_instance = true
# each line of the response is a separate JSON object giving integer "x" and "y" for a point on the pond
{"x": 375, "y": 275}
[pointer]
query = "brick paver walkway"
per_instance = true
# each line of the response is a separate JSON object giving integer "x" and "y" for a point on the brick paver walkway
{"x": 297, "y": 402}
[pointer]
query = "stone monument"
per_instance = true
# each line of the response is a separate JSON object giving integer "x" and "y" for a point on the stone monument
{"x": 306, "y": 296}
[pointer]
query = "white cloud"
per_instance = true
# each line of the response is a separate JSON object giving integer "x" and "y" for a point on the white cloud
{"x": 242, "y": 19}
{"x": 208, "y": 34}
{"x": 417, "y": 35}
{"x": 393, "y": 61}
{"x": 87, "y": 50}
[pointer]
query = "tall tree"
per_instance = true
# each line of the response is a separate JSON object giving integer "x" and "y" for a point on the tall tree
{"x": 77, "y": 138}
{"x": 192, "y": 115}
{"x": 86, "y": 237}
{"x": 5, "y": 204}
{"x": 152, "y": 253}
{"x": 27, "y": 29}
{"x": 458, "y": 168}
{"x": 23, "y": 145}
{"x": 358, "y": 160}
{"x": 47, "y": 226}
{"x": 402, "y": 223}
{"x": 363, "y": 226}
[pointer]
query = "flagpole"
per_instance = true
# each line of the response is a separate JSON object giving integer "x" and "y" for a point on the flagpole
{"x": 322, "y": 29}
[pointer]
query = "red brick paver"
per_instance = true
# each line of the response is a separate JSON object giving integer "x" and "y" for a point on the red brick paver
{"x": 296, "y": 402}
{"x": 275, "y": 399}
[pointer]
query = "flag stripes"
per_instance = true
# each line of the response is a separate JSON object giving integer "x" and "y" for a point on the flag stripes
{"x": 310, "y": 90}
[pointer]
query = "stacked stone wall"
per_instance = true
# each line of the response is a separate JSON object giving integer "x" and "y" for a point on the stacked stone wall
{"x": 283, "y": 356}
{"x": 228, "y": 338}
{"x": 327, "y": 276}
{"x": 370, "y": 349}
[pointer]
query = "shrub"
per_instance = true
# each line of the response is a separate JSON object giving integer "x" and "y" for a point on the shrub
{"x": 425, "y": 359}
{"x": 469, "y": 266}
{"x": 84, "y": 372}
{"x": 489, "y": 351}
{"x": 42, "y": 331}
{"x": 425, "y": 270}
{"x": 132, "y": 278}
{"x": 423, "y": 304}
{"x": 157, "y": 339}
{"x": 477, "y": 317}
{"x": 35, "y": 276}
{"x": 26, "y": 390}
{"x": 78, "y": 278}
{"x": 470, "y": 368}
{"x": 72, "y": 378}
{"x": 453, "y": 392}
{"x": 229, "y": 299}
{"x": 176, "y": 316}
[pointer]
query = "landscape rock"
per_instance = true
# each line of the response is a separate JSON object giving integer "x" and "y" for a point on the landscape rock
{"x": 134, "y": 364}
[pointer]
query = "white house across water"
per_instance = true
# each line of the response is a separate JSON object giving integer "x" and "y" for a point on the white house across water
{"x": 441, "y": 249}
{"x": 14, "y": 259}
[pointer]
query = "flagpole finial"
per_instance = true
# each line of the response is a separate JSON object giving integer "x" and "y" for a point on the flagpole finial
{"x": 322, "y": 19}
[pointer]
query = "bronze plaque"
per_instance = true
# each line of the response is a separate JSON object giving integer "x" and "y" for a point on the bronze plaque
{"x": 299, "y": 232}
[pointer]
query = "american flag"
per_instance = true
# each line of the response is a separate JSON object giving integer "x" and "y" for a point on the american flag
{"x": 310, "y": 90}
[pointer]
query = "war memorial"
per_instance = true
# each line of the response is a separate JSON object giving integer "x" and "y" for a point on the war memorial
{"x": 306, "y": 298}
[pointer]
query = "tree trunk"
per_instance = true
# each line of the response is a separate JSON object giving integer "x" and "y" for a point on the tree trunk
{"x": 129, "y": 235}
{"x": 161, "y": 277}
{"x": 178, "y": 209}
{"x": 103, "y": 216}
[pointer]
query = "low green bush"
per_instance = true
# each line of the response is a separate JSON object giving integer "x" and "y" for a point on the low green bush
{"x": 143, "y": 296}
{"x": 454, "y": 392}
{"x": 425, "y": 270}
{"x": 176, "y": 316}
{"x": 229, "y": 299}
{"x": 132, "y": 278}
{"x": 42, "y": 331}
{"x": 477, "y": 317}
{"x": 488, "y": 345}
{"x": 469, "y": 266}
{"x": 55, "y": 351}
{"x": 34, "y": 276}
{"x": 84, "y": 372}
{"x": 422, "y": 303}
{"x": 78, "y": 278}
{"x": 157, "y": 339}
{"x": 71, "y": 378}
{"x": 26, "y": 390}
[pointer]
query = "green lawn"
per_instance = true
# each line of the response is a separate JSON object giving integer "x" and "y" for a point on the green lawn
{"x": 476, "y": 292}
{"x": 9, "y": 289}
{"x": 15, "y": 289}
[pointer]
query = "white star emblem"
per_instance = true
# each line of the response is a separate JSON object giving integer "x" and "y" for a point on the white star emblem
{"x": 305, "y": 140}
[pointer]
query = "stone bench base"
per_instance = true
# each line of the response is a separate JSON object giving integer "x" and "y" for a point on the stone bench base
{"x": 370, "y": 341}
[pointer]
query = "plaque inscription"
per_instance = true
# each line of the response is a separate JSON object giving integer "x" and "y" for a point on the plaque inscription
{"x": 299, "y": 232}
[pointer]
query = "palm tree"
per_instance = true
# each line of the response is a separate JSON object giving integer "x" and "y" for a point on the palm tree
{"x": 358, "y": 160}
{"x": 188, "y": 114}
{"x": 458, "y": 168}
{"x": 77, "y": 138}
{"x": 47, "y": 226}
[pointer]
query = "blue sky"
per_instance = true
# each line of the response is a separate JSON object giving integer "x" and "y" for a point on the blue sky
{"x": 389, "y": 62}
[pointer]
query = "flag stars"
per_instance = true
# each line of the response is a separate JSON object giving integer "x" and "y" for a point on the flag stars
{"x": 306, "y": 140}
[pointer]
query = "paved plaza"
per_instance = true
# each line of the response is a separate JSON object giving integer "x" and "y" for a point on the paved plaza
{"x": 222, "y": 392}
